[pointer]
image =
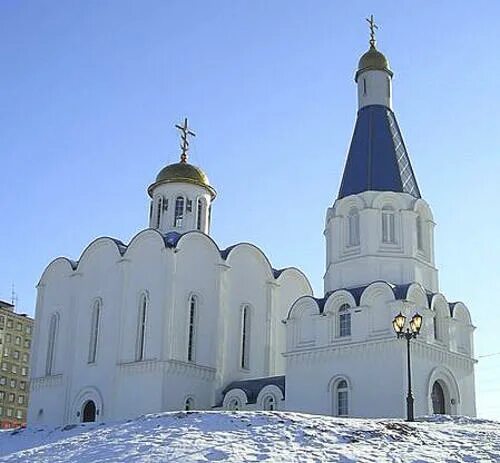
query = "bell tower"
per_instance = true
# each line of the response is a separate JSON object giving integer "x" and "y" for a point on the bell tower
{"x": 379, "y": 227}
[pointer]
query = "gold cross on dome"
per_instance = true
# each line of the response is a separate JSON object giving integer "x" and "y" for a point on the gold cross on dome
{"x": 373, "y": 26}
{"x": 185, "y": 132}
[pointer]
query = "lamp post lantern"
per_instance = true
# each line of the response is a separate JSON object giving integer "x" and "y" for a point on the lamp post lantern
{"x": 410, "y": 333}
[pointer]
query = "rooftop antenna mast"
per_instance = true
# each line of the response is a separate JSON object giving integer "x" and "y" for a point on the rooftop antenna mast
{"x": 13, "y": 296}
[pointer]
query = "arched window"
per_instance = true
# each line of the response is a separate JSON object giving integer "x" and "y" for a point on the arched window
{"x": 364, "y": 86}
{"x": 342, "y": 398}
{"x": 141, "y": 328}
{"x": 420, "y": 236}
{"x": 179, "y": 211}
{"x": 199, "y": 214}
{"x": 388, "y": 225}
{"x": 353, "y": 227}
{"x": 245, "y": 338}
{"x": 269, "y": 402}
{"x": 189, "y": 404}
{"x": 344, "y": 320}
{"x": 234, "y": 404}
{"x": 51, "y": 345}
{"x": 94, "y": 330}
{"x": 159, "y": 208}
{"x": 193, "y": 307}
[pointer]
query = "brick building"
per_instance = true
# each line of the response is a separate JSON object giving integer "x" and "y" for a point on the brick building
{"x": 15, "y": 343}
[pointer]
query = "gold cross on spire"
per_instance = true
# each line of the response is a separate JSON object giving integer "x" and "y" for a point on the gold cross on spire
{"x": 185, "y": 132}
{"x": 373, "y": 26}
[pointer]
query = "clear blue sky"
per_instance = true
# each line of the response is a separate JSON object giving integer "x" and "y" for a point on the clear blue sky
{"x": 90, "y": 91}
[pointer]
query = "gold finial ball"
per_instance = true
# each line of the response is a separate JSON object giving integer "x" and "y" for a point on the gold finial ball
{"x": 373, "y": 60}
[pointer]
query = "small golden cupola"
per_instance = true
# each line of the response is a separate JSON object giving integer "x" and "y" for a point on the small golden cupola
{"x": 181, "y": 194}
{"x": 373, "y": 75}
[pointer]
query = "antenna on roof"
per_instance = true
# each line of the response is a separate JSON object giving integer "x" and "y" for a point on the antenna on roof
{"x": 13, "y": 296}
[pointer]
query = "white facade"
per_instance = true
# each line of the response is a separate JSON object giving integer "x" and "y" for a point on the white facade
{"x": 172, "y": 322}
{"x": 125, "y": 382}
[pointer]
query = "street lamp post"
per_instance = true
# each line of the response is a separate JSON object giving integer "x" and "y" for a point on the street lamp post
{"x": 411, "y": 333}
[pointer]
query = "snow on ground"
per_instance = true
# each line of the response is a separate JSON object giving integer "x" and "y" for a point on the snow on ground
{"x": 257, "y": 437}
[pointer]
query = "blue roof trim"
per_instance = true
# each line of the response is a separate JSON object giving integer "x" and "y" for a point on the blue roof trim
{"x": 378, "y": 159}
{"x": 171, "y": 239}
{"x": 252, "y": 387}
{"x": 400, "y": 292}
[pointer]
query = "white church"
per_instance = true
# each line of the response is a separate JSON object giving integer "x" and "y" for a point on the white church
{"x": 170, "y": 321}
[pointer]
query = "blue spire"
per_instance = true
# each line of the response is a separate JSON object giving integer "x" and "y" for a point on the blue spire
{"x": 377, "y": 159}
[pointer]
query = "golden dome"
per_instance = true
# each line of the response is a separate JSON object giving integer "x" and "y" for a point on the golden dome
{"x": 373, "y": 60}
{"x": 182, "y": 172}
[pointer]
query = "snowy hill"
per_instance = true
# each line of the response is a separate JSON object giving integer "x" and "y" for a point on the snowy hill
{"x": 257, "y": 436}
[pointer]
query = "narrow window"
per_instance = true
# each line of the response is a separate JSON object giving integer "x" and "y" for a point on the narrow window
{"x": 159, "y": 207}
{"x": 193, "y": 302}
{"x": 94, "y": 331}
{"x": 189, "y": 404}
{"x": 209, "y": 218}
{"x": 388, "y": 87}
{"x": 353, "y": 226}
{"x": 420, "y": 241}
{"x": 388, "y": 225}
{"x": 364, "y": 86}
{"x": 150, "y": 212}
{"x": 344, "y": 321}
{"x": 436, "y": 328}
{"x": 199, "y": 216}
{"x": 245, "y": 337}
{"x": 51, "y": 345}
{"x": 141, "y": 328}
{"x": 179, "y": 211}
{"x": 342, "y": 396}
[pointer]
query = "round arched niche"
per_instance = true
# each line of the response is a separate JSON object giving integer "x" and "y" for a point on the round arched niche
{"x": 235, "y": 399}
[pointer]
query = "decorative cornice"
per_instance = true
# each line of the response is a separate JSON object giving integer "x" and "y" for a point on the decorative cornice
{"x": 440, "y": 353}
{"x": 178, "y": 367}
{"x": 172, "y": 366}
{"x": 45, "y": 381}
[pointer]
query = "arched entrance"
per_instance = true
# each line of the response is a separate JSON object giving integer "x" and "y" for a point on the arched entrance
{"x": 438, "y": 399}
{"x": 89, "y": 412}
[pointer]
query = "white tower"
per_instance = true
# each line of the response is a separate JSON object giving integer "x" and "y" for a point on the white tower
{"x": 379, "y": 228}
{"x": 181, "y": 196}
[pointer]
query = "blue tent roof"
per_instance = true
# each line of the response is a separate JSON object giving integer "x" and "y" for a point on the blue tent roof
{"x": 377, "y": 159}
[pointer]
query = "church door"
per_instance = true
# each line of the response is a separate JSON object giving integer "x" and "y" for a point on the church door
{"x": 89, "y": 412}
{"x": 438, "y": 402}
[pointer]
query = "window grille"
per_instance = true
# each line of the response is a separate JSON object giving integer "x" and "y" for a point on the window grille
{"x": 51, "y": 345}
{"x": 388, "y": 225}
{"x": 141, "y": 328}
{"x": 342, "y": 393}
{"x": 94, "y": 331}
{"x": 344, "y": 321}
{"x": 353, "y": 227}
{"x": 245, "y": 337}
{"x": 179, "y": 211}
{"x": 193, "y": 302}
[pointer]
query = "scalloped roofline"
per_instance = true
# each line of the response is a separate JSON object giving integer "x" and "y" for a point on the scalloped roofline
{"x": 171, "y": 240}
{"x": 400, "y": 293}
